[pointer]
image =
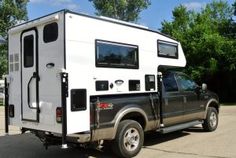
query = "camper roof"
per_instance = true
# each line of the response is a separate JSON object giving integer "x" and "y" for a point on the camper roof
{"x": 16, "y": 27}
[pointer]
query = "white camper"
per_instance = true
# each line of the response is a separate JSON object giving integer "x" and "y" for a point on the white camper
{"x": 63, "y": 65}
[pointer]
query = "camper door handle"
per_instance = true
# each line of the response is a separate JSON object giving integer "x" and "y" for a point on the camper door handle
{"x": 50, "y": 65}
{"x": 28, "y": 90}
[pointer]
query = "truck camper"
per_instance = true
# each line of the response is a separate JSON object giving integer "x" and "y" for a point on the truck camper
{"x": 75, "y": 78}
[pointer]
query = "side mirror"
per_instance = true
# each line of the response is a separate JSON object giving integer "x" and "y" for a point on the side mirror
{"x": 204, "y": 86}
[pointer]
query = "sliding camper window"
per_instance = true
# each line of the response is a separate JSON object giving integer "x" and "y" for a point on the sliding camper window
{"x": 28, "y": 51}
{"x": 116, "y": 55}
{"x": 50, "y": 32}
{"x": 167, "y": 49}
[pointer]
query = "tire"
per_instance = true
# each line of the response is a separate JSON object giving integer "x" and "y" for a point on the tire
{"x": 129, "y": 139}
{"x": 211, "y": 122}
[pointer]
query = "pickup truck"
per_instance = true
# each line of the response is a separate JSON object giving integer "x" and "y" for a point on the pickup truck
{"x": 124, "y": 120}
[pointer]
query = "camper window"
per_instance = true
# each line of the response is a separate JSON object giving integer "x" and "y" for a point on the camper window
{"x": 50, "y": 32}
{"x": 116, "y": 55}
{"x": 28, "y": 51}
{"x": 167, "y": 49}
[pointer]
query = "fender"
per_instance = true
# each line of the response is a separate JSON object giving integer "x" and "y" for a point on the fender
{"x": 126, "y": 110}
{"x": 208, "y": 104}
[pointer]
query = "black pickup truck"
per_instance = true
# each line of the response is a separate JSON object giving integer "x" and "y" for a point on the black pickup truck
{"x": 123, "y": 120}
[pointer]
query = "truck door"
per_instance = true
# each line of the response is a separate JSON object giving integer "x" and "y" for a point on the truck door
{"x": 173, "y": 109}
{"x": 193, "y": 104}
{"x": 29, "y": 76}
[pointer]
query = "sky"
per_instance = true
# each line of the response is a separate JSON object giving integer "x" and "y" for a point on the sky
{"x": 157, "y": 12}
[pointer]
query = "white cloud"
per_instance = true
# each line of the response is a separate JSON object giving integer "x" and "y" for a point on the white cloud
{"x": 67, "y": 4}
{"x": 194, "y": 5}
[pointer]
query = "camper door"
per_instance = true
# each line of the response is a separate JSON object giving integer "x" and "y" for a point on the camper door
{"x": 29, "y": 76}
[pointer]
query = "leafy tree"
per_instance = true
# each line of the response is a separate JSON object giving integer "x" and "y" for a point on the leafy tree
{"x": 234, "y": 5}
{"x": 208, "y": 40}
{"x": 127, "y": 10}
{"x": 11, "y": 12}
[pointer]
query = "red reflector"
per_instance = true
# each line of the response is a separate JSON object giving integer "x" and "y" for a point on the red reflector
{"x": 59, "y": 114}
{"x": 104, "y": 105}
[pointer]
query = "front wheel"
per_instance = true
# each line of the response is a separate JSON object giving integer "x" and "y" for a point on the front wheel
{"x": 211, "y": 122}
{"x": 129, "y": 139}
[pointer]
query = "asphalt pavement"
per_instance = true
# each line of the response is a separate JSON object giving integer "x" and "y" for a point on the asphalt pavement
{"x": 190, "y": 143}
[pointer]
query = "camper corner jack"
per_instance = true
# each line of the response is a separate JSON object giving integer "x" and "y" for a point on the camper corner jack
{"x": 159, "y": 76}
{"x": 64, "y": 92}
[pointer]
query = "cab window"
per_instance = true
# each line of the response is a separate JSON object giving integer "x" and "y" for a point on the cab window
{"x": 186, "y": 83}
{"x": 170, "y": 83}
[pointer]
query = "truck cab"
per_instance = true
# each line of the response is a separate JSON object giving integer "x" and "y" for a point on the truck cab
{"x": 183, "y": 99}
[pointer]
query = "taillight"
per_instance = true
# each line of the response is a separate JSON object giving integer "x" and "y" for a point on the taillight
{"x": 59, "y": 114}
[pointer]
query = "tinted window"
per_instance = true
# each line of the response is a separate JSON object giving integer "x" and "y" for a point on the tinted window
{"x": 166, "y": 49}
{"x": 186, "y": 83}
{"x": 28, "y": 51}
{"x": 170, "y": 83}
{"x": 110, "y": 54}
{"x": 50, "y": 32}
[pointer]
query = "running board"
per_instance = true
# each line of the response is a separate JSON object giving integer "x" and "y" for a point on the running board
{"x": 179, "y": 127}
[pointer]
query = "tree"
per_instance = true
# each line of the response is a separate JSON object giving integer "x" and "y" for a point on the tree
{"x": 11, "y": 12}
{"x": 234, "y": 5}
{"x": 208, "y": 40}
{"x": 127, "y": 10}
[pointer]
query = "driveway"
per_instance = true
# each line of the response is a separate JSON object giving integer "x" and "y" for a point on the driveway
{"x": 190, "y": 143}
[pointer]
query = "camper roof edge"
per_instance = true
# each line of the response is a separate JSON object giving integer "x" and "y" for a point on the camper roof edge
{"x": 33, "y": 23}
{"x": 94, "y": 17}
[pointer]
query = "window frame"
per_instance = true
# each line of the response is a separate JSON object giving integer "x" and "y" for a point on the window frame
{"x": 115, "y": 66}
{"x": 167, "y": 43}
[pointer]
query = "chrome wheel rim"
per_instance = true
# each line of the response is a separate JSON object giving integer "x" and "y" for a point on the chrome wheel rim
{"x": 213, "y": 119}
{"x": 131, "y": 139}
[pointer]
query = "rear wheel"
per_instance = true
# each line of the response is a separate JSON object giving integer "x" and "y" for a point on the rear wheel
{"x": 129, "y": 139}
{"x": 211, "y": 122}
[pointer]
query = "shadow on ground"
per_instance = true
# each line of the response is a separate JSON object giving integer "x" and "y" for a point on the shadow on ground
{"x": 28, "y": 146}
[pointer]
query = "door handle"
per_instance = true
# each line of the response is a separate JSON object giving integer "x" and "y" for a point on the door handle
{"x": 185, "y": 99}
{"x": 28, "y": 89}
